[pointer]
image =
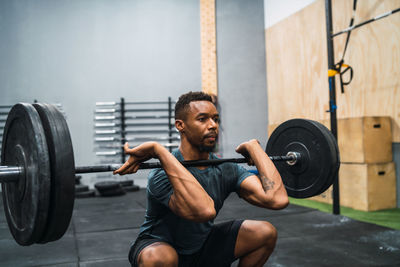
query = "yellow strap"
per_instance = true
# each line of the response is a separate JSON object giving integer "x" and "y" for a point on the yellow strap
{"x": 332, "y": 73}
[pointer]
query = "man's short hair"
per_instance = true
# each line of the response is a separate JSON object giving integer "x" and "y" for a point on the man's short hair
{"x": 182, "y": 106}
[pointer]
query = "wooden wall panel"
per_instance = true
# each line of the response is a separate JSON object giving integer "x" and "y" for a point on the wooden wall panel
{"x": 374, "y": 54}
{"x": 297, "y": 66}
{"x": 297, "y": 63}
{"x": 208, "y": 47}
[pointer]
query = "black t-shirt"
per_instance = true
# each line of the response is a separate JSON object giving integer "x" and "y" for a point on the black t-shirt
{"x": 186, "y": 236}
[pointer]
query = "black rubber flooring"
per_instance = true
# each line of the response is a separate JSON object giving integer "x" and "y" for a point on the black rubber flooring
{"x": 102, "y": 229}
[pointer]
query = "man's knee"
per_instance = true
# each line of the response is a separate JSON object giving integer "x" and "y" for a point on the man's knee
{"x": 268, "y": 233}
{"x": 158, "y": 255}
{"x": 262, "y": 232}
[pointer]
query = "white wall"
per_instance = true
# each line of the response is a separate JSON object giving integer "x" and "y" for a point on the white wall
{"x": 277, "y": 10}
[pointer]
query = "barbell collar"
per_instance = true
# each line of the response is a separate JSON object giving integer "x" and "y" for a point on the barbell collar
{"x": 296, "y": 157}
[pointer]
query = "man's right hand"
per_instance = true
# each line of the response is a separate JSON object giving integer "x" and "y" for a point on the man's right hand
{"x": 137, "y": 155}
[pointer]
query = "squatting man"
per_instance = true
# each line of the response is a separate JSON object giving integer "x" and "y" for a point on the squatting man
{"x": 182, "y": 203}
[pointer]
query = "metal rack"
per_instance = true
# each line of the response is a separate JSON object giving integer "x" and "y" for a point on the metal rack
{"x": 133, "y": 122}
{"x": 4, "y": 109}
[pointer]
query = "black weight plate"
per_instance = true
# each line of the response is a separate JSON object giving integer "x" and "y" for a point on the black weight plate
{"x": 78, "y": 179}
{"x": 112, "y": 192}
{"x": 26, "y": 202}
{"x": 308, "y": 177}
{"x": 107, "y": 185}
{"x": 62, "y": 168}
{"x": 335, "y": 154}
{"x": 86, "y": 194}
{"x": 131, "y": 188}
{"x": 328, "y": 135}
{"x": 81, "y": 188}
{"x": 125, "y": 183}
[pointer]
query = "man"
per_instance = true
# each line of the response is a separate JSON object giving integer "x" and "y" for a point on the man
{"x": 182, "y": 203}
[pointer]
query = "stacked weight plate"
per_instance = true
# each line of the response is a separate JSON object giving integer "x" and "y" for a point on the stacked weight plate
{"x": 4, "y": 110}
{"x": 39, "y": 206}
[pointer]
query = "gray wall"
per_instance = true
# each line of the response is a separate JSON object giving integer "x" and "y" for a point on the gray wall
{"x": 78, "y": 52}
{"x": 241, "y": 72}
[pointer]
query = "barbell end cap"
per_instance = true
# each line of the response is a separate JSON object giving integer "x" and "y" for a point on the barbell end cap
{"x": 296, "y": 156}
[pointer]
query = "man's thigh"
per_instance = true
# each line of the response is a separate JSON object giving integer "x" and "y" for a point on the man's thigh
{"x": 219, "y": 248}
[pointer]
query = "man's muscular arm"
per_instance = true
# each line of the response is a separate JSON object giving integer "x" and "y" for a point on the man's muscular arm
{"x": 188, "y": 200}
{"x": 266, "y": 189}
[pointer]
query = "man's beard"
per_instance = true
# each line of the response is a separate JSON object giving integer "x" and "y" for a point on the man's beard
{"x": 204, "y": 148}
{"x": 210, "y": 148}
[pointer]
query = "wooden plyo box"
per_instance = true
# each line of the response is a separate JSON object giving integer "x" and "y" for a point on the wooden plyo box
{"x": 365, "y": 140}
{"x": 365, "y": 187}
{"x": 362, "y": 139}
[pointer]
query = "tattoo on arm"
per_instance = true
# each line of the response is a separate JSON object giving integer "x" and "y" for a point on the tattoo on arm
{"x": 267, "y": 183}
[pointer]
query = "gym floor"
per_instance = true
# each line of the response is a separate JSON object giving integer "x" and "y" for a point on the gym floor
{"x": 102, "y": 229}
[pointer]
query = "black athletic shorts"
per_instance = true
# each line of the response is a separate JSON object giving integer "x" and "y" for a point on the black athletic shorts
{"x": 218, "y": 250}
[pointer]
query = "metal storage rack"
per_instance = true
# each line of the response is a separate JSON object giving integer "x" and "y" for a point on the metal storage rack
{"x": 4, "y": 109}
{"x": 133, "y": 122}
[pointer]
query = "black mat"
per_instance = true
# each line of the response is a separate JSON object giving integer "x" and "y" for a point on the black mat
{"x": 102, "y": 230}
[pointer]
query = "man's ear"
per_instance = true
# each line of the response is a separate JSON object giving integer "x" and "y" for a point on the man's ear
{"x": 180, "y": 125}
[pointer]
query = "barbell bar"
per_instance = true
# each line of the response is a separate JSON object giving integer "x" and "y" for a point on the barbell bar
{"x": 114, "y": 110}
{"x": 188, "y": 163}
{"x": 130, "y": 131}
{"x": 131, "y": 124}
{"x": 14, "y": 173}
{"x": 132, "y": 103}
{"x": 138, "y": 117}
{"x": 38, "y": 169}
{"x": 136, "y": 138}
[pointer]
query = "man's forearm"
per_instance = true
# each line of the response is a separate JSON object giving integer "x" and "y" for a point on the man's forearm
{"x": 189, "y": 199}
{"x": 266, "y": 182}
{"x": 268, "y": 174}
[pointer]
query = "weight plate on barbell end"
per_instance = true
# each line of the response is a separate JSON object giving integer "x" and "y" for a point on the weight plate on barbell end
{"x": 26, "y": 202}
{"x": 62, "y": 168}
{"x": 318, "y": 162}
{"x": 335, "y": 154}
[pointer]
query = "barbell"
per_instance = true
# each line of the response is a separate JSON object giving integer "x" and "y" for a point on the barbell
{"x": 37, "y": 169}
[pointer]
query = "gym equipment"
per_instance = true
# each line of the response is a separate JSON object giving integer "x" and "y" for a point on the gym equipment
{"x": 38, "y": 170}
